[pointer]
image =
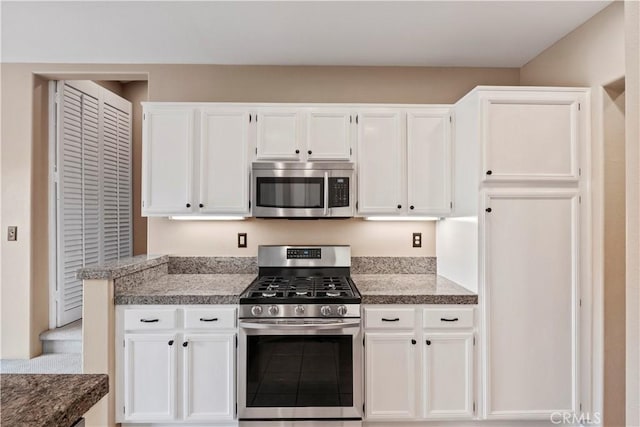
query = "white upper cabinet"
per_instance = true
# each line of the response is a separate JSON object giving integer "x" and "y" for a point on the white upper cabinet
{"x": 224, "y": 161}
{"x": 328, "y": 134}
{"x": 530, "y": 135}
{"x": 429, "y": 161}
{"x": 279, "y": 134}
{"x": 380, "y": 162}
{"x": 303, "y": 134}
{"x": 531, "y": 260}
{"x": 167, "y": 167}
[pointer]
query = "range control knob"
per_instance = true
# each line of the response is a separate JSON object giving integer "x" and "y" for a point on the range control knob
{"x": 342, "y": 310}
{"x": 299, "y": 310}
{"x": 256, "y": 310}
{"x": 325, "y": 310}
{"x": 273, "y": 310}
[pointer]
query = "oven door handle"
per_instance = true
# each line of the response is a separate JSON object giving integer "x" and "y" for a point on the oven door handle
{"x": 278, "y": 325}
{"x": 326, "y": 193}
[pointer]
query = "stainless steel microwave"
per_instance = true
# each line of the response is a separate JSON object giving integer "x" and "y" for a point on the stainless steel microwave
{"x": 302, "y": 190}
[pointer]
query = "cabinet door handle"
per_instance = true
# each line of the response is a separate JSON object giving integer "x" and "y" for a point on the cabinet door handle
{"x": 395, "y": 319}
{"x": 488, "y": 210}
{"x": 149, "y": 320}
{"x": 170, "y": 342}
{"x": 186, "y": 343}
{"x": 428, "y": 342}
{"x": 309, "y": 152}
{"x": 201, "y": 205}
{"x": 413, "y": 342}
{"x": 444, "y": 319}
{"x": 188, "y": 205}
{"x": 412, "y": 207}
{"x": 399, "y": 206}
{"x": 215, "y": 319}
{"x": 297, "y": 151}
{"x": 489, "y": 172}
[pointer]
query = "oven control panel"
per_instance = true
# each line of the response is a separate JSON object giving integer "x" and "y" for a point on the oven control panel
{"x": 304, "y": 253}
{"x": 248, "y": 311}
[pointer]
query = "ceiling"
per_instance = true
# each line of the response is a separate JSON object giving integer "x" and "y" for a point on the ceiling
{"x": 417, "y": 33}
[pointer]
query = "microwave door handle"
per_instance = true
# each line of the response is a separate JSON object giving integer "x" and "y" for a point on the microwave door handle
{"x": 326, "y": 193}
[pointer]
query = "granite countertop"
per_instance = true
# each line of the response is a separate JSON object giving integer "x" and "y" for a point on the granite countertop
{"x": 122, "y": 267}
{"x": 411, "y": 289}
{"x": 187, "y": 289}
{"x": 49, "y": 400}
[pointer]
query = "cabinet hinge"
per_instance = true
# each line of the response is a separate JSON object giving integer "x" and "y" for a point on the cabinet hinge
{"x": 356, "y": 205}
{"x": 256, "y": 118}
{"x": 249, "y": 204}
{"x": 363, "y": 341}
{"x": 579, "y": 171}
{"x": 474, "y": 407}
{"x": 350, "y": 119}
{"x": 124, "y": 410}
{"x": 356, "y": 119}
{"x": 363, "y": 411}
{"x": 144, "y": 116}
{"x": 236, "y": 341}
{"x": 580, "y": 302}
{"x": 124, "y": 343}
{"x": 351, "y": 151}
{"x": 451, "y": 205}
{"x": 579, "y": 106}
{"x": 249, "y": 118}
{"x": 450, "y": 119}
{"x": 580, "y": 406}
{"x": 579, "y": 199}
{"x": 236, "y": 409}
{"x": 256, "y": 150}
{"x": 143, "y": 203}
{"x": 474, "y": 340}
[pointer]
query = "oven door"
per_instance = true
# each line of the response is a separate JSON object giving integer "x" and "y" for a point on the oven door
{"x": 291, "y": 369}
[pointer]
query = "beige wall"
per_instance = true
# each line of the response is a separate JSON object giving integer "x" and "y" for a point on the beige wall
{"x": 24, "y": 287}
{"x": 137, "y": 92}
{"x": 594, "y": 55}
{"x": 632, "y": 34}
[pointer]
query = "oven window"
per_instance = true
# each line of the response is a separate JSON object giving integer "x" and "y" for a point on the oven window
{"x": 299, "y": 371}
{"x": 290, "y": 192}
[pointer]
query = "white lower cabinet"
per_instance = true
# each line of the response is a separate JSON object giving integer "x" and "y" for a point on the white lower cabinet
{"x": 183, "y": 374}
{"x": 419, "y": 363}
{"x": 448, "y": 375}
{"x": 150, "y": 376}
{"x": 390, "y": 380}
{"x": 208, "y": 376}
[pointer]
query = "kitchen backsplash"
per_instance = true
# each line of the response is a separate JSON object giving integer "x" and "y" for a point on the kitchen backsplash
{"x": 248, "y": 265}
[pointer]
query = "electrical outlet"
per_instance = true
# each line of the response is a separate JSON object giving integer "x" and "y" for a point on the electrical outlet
{"x": 12, "y": 233}
{"x": 417, "y": 240}
{"x": 242, "y": 240}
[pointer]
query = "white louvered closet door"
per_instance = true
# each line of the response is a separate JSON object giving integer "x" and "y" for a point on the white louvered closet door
{"x": 93, "y": 165}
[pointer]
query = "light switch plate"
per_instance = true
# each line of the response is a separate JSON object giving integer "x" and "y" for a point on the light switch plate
{"x": 417, "y": 240}
{"x": 242, "y": 240}
{"x": 12, "y": 233}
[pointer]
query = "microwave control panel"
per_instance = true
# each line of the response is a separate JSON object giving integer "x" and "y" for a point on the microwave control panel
{"x": 338, "y": 192}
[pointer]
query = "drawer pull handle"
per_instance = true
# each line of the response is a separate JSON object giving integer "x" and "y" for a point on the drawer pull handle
{"x": 444, "y": 319}
{"x": 204, "y": 319}
{"x": 395, "y": 319}
{"x": 149, "y": 320}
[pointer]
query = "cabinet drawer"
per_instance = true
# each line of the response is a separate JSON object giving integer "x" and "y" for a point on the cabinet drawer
{"x": 448, "y": 318}
{"x": 389, "y": 318}
{"x": 150, "y": 319}
{"x": 209, "y": 318}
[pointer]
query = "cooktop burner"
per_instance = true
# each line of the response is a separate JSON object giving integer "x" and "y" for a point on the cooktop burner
{"x": 300, "y": 287}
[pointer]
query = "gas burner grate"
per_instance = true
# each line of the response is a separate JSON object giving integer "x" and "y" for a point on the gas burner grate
{"x": 301, "y": 287}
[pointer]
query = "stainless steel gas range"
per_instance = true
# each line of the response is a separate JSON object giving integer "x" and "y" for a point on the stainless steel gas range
{"x": 300, "y": 349}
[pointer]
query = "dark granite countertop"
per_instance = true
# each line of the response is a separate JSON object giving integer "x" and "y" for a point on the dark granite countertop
{"x": 48, "y": 400}
{"x": 122, "y": 267}
{"x": 187, "y": 289}
{"x": 411, "y": 289}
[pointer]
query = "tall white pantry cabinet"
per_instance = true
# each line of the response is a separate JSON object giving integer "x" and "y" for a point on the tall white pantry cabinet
{"x": 518, "y": 234}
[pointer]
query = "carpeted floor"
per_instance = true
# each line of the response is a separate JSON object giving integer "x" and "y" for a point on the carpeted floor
{"x": 45, "y": 364}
